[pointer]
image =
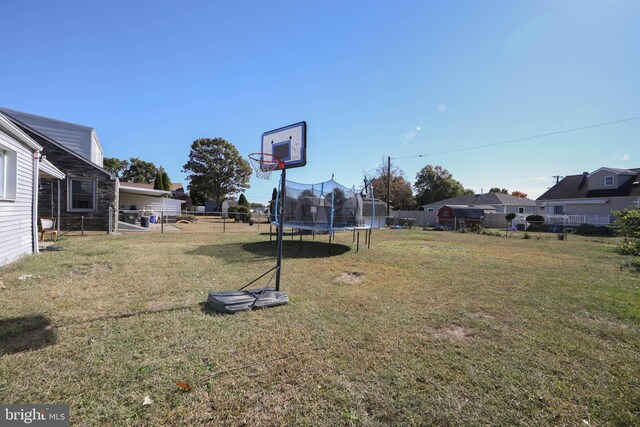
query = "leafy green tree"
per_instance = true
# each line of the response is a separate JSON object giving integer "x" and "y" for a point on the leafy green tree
{"x": 400, "y": 191}
{"x": 140, "y": 171}
{"x": 157, "y": 183}
{"x": 166, "y": 182}
{"x": 272, "y": 204}
{"x": 216, "y": 170}
{"x": 115, "y": 166}
{"x": 242, "y": 200}
{"x": 434, "y": 183}
{"x": 499, "y": 190}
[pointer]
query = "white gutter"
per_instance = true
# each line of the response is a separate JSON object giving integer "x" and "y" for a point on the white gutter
{"x": 34, "y": 204}
{"x": 49, "y": 170}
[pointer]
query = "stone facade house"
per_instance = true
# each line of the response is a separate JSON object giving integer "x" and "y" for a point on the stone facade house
{"x": 88, "y": 191}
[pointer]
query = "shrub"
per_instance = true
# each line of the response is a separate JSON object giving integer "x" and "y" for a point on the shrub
{"x": 629, "y": 247}
{"x": 592, "y": 230}
{"x": 510, "y": 216}
{"x": 629, "y": 222}
{"x": 474, "y": 228}
{"x": 239, "y": 213}
{"x": 526, "y": 235}
{"x": 537, "y": 219}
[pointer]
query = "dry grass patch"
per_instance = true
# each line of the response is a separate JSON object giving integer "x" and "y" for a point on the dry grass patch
{"x": 350, "y": 277}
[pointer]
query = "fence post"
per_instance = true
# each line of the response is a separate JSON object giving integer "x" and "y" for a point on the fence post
{"x": 82, "y": 225}
{"x": 110, "y": 219}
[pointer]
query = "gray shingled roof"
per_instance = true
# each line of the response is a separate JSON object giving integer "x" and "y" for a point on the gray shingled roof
{"x": 577, "y": 187}
{"x": 486, "y": 199}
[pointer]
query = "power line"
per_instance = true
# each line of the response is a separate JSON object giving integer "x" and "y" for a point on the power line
{"x": 542, "y": 135}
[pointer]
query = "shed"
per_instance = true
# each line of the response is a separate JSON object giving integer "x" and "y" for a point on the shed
{"x": 457, "y": 217}
{"x": 374, "y": 214}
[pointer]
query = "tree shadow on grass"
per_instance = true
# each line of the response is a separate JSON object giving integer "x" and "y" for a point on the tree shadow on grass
{"x": 18, "y": 334}
{"x": 265, "y": 251}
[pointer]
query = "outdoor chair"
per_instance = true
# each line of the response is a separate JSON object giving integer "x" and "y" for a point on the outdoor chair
{"x": 48, "y": 225}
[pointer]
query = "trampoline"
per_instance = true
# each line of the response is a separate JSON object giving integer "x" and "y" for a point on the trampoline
{"x": 325, "y": 207}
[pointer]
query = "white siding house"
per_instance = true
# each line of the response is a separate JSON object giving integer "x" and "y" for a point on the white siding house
{"x": 17, "y": 220}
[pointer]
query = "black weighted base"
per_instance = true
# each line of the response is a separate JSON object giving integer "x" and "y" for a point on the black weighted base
{"x": 234, "y": 301}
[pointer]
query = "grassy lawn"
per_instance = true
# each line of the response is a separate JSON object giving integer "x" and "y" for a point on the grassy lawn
{"x": 428, "y": 328}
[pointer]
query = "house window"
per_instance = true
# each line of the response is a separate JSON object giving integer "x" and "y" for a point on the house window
{"x": 445, "y": 213}
{"x": 82, "y": 195}
{"x": 558, "y": 210}
{"x": 430, "y": 209}
{"x": 8, "y": 174}
{"x": 520, "y": 210}
{"x": 608, "y": 181}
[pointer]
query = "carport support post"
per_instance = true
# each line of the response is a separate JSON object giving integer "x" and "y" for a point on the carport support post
{"x": 283, "y": 180}
{"x": 58, "y": 211}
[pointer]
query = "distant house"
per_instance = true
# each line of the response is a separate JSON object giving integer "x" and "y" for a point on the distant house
{"x": 21, "y": 171}
{"x": 177, "y": 190}
{"x": 456, "y": 217}
{"x": 592, "y": 196}
{"x": 489, "y": 202}
{"x": 88, "y": 190}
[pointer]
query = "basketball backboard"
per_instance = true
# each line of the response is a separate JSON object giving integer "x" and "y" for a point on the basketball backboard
{"x": 289, "y": 143}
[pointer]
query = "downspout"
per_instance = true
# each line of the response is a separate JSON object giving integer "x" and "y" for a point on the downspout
{"x": 34, "y": 204}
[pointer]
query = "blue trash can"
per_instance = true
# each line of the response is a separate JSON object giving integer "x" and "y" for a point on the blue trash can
{"x": 153, "y": 219}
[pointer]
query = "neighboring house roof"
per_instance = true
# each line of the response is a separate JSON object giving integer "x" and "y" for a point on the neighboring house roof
{"x": 616, "y": 170}
{"x": 484, "y": 199}
{"x": 56, "y": 143}
{"x": 577, "y": 187}
{"x": 483, "y": 207}
{"x": 8, "y": 126}
{"x": 75, "y": 137}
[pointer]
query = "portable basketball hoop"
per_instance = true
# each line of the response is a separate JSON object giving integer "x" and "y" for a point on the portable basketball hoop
{"x": 265, "y": 163}
{"x": 282, "y": 149}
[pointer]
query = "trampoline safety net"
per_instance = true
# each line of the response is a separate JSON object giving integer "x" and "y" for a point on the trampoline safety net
{"x": 325, "y": 206}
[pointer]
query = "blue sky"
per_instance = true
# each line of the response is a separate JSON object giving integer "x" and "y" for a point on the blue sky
{"x": 371, "y": 79}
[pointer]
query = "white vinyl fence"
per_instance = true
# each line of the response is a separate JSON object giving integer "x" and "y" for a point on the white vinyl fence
{"x": 497, "y": 220}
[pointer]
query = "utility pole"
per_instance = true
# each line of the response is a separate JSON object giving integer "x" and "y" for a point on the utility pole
{"x": 388, "y": 185}
{"x": 557, "y": 177}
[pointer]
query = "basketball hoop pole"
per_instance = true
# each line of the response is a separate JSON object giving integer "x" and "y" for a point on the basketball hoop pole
{"x": 283, "y": 179}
